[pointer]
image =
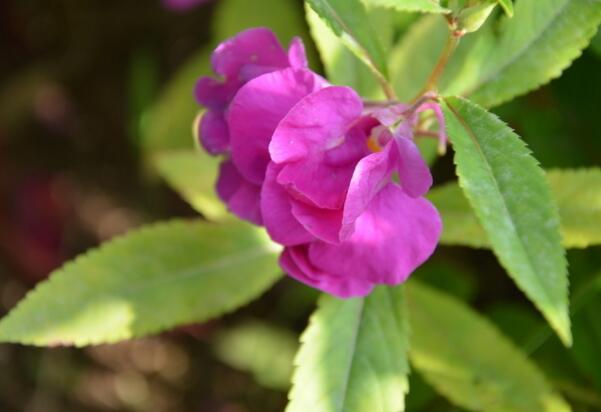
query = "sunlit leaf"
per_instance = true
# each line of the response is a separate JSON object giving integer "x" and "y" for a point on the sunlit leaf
{"x": 505, "y": 58}
{"x": 513, "y": 203}
{"x": 152, "y": 279}
{"x": 264, "y": 350}
{"x": 193, "y": 173}
{"x": 349, "y": 20}
{"x": 535, "y": 46}
{"x": 469, "y": 361}
{"x": 353, "y": 356}
{"x": 424, "y": 6}
{"x": 576, "y": 192}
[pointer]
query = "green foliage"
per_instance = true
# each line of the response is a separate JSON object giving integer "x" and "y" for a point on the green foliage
{"x": 423, "y": 6}
{"x": 512, "y": 200}
{"x": 576, "y": 192}
{"x": 353, "y": 355}
{"x": 349, "y": 20}
{"x": 280, "y": 16}
{"x": 596, "y": 43}
{"x": 469, "y": 361}
{"x": 505, "y": 58}
{"x": 155, "y": 278}
{"x": 168, "y": 123}
{"x": 587, "y": 330}
{"x": 507, "y": 6}
{"x": 193, "y": 173}
{"x": 266, "y": 351}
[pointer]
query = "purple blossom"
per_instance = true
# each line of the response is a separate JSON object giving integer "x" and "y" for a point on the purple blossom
{"x": 236, "y": 61}
{"x": 339, "y": 185}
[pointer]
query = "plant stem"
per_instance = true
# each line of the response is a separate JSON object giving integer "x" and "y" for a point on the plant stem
{"x": 441, "y": 64}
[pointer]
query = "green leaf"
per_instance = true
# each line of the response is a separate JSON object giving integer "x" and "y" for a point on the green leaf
{"x": 512, "y": 200}
{"x": 576, "y": 192}
{"x": 423, "y": 6}
{"x": 349, "y": 21}
{"x": 167, "y": 125}
{"x": 468, "y": 360}
{"x": 341, "y": 65}
{"x": 193, "y": 173}
{"x": 262, "y": 349}
{"x": 353, "y": 356}
{"x": 505, "y": 58}
{"x": 152, "y": 279}
{"x": 535, "y": 46}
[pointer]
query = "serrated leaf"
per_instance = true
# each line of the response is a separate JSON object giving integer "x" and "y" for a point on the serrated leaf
{"x": 353, "y": 356}
{"x": 513, "y": 203}
{"x": 264, "y": 350}
{"x": 149, "y": 280}
{"x": 469, "y": 361}
{"x": 423, "y": 6}
{"x": 576, "y": 192}
{"x": 167, "y": 125}
{"x": 348, "y": 19}
{"x": 536, "y": 45}
{"x": 503, "y": 59}
{"x": 193, "y": 173}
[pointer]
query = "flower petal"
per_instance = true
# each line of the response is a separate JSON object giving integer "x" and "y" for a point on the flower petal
{"x": 256, "y": 46}
{"x": 371, "y": 174}
{"x": 324, "y": 224}
{"x": 394, "y": 235}
{"x": 296, "y": 54}
{"x": 257, "y": 109}
{"x": 316, "y": 123}
{"x": 295, "y": 262}
{"x": 414, "y": 174}
{"x": 214, "y": 135}
{"x": 241, "y": 196}
{"x": 281, "y": 225}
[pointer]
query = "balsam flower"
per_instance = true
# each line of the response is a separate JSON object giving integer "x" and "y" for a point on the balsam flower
{"x": 339, "y": 185}
{"x": 330, "y": 197}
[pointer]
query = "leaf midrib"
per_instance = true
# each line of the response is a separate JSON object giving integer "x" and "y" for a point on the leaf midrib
{"x": 472, "y": 136}
{"x": 350, "y": 362}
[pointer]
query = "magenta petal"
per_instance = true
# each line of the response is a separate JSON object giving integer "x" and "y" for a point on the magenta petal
{"x": 241, "y": 196}
{"x": 317, "y": 182}
{"x": 294, "y": 261}
{"x": 414, "y": 174}
{"x": 317, "y": 123}
{"x": 257, "y": 46}
{"x": 281, "y": 225}
{"x": 394, "y": 235}
{"x": 371, "y": 174}
{"x": 257, "y": 109}
{"x": 214, "y": 94}
{"x": 296, "y": 54}
{"x": 214, "y": 135}
{"x": 324, "y": 224}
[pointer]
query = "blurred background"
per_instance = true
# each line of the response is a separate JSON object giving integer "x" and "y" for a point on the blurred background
{"x": 89, "y": 88}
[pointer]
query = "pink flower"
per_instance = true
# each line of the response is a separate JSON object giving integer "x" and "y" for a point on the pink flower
{"x": 238, "y": 60}
{"x": 339, "y": 185}
{"x": 330, "y": 198}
